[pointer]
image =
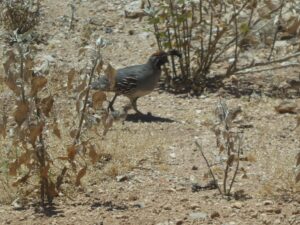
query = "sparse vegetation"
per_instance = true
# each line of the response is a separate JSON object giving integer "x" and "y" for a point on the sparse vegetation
{"x": 32, "y": 163}
{"x": 66, "y": 158}
{"x": 228, "y": 142}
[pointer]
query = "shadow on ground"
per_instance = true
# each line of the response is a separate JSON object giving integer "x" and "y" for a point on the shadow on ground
{"x": 49, "y": 210}
{"x": 147, "y": 118}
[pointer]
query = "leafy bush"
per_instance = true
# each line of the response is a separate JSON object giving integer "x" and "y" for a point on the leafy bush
{"x": 209, "y": 32}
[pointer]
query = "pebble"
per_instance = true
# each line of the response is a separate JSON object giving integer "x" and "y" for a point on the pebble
{"x": 273, "y": 210}
{"x": 139, "y": 205}
{"x": 144, "y": 35}
{"x": 179, "y": 222}
{"x": 277, "y": 221}
{"x": 17, "y": 205}
{"x": 122, "y": 178}
{"x": 215, "y": 214}
{"x": 254, "y": 215}
{"x": 166, "y": 223}
{"x": 198, "y": 215}
{"x": 268, "y": 202}
{"x": 133, "y": 6}
{"x": 195, "y": 206}
{"x": 195, "y": 168}
{"x": 167, "y": 207}
{"x": 237, "y": 205}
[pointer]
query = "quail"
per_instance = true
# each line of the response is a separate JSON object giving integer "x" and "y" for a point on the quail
{"x": 136, "y": 81}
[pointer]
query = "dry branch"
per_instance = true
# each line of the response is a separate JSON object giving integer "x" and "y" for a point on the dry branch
{"x": 207, "y": 163}
{"x": 250, "y": 70}
{"x": 86, "y": 100}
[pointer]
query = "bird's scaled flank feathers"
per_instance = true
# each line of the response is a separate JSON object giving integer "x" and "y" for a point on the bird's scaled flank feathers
{"x": 138, "y": 80}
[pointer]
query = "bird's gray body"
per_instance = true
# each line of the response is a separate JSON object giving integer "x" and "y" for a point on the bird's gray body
{"x": 135, "y": 81}
{"x": 145, "y": 77}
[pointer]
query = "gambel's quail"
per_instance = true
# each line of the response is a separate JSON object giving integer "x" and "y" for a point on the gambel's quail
{"x": 135, "y": 81}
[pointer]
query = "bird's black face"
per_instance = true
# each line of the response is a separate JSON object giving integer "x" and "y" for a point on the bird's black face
{"x": 160, "y": 58}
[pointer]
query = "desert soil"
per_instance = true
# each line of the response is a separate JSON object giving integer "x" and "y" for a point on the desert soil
{"x": 154, "y": 162}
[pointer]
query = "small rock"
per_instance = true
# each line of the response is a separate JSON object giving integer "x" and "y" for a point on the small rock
{"x": 17, "y": 205}
{"x": 273, "y": 210}
{"x": 167, "y": 207}
{"x": 195, "y": 206}
{"x": 277, "y": 221}
{"x": 198, "y": 215}
{"x": 139, "y": 205}
{"x": 122, "y": 178}
{"x": 121, "y": 217}
{"x": 133, "y": 6}
{"x": 144, "y": 35}
{"x": 166, "y": 223}
{"x": 268, "y": 202}
{"x": 195, "y": 168}
{"x": 237, "y": 205}
{"x": 254, "y": 215}
{"x": 277, "y": 210}
{"x": 179, "y": 222}
{"x": 287, "y": 107}
{"x": 184, "y": 200}
{"x": 215, "y": 214}
{"x": 108, "y": 30}
{"x": 173, "y": 155}
{"x": 181, "y": 189}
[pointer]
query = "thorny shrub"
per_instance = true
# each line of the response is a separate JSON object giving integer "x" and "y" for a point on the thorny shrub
{"x": 209, "y": 32}
{"x": 20, "y": 15}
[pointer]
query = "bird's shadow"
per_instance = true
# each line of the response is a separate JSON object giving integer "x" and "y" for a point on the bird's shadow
{"x": 147, "y": 118}
{"x": 49, "y": 210}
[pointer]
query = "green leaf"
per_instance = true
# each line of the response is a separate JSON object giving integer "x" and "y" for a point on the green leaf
{"x": 167, "y": 45}
{"x": 153, "y": 20}
{"x": 244, "y": 28}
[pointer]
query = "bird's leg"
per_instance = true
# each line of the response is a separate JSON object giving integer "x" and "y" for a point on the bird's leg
{"x": 110, "y": 106}
{"x": 134, "y": 106}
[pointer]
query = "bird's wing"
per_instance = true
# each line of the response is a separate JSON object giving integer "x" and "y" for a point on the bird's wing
{"x": 127, "y": 78}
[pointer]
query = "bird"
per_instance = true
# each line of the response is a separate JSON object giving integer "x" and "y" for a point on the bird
{"x": 137, "y": 80}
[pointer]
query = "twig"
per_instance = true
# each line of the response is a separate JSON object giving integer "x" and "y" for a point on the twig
{"x": 250, "y": 70}
{"x": 232, "y": 67}
{"x": 207, "y": 163}
{"x": 276, "y": 32}
{"x": 283, "y": 59}
{"x": 177, "y": 34}
{"x": 21, "y": 67}
{"x": 156, "y": 30}
{"x": 72, "y": 16}
{"x": 86, "y": 100}
{"x": 237, "y": 166}
{"x": 171, "y": 46}
{"x": 270, "y": 13}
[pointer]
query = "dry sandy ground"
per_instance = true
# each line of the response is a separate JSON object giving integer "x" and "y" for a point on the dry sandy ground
{"x": 156, "y": 156}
